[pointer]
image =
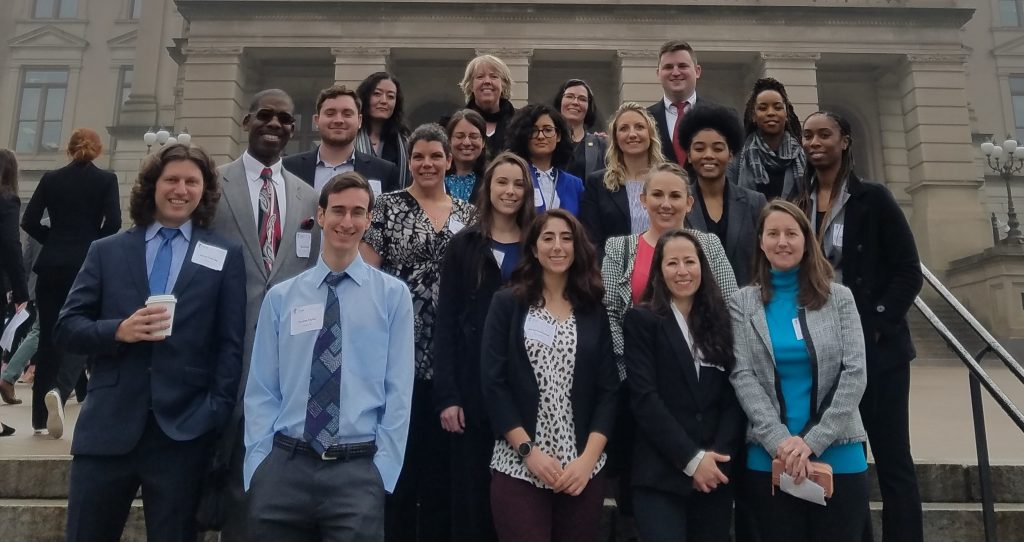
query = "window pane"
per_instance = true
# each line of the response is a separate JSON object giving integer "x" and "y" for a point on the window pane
{"x": 54, "y": 104}
{"x": 1017, "y": 85}
{"x": 29, "y": 104}
{"x": 68, "y": 9}
{"x": 59, "y": 77}
{"x": 136, "y": 9}
{"x": 127, "y": 80}
{"x": 44, "y": 9}
{"x": 1018, "y": 110}
{"x": 1008, "y": 12}
{"x": 26, "y": 137}
{"x": 1020, "y": 134}
{"x": 51, "y": 136}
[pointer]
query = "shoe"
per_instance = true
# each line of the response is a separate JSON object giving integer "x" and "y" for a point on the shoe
{"x": 6, "y": 430}
{"x": 7, "y": 393}
{"x": 38, "y": 432}
{"x": 55, "y": 414}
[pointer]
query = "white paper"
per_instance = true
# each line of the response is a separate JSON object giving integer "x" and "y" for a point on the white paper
{"x": 806, "y": 490}
{"x": 837, "y": 235}
{"x": 375, "y": 186}
{"x": 455, "y": 225}
{"x": 539, "y": 330}
{"x": 7, "y": 340}
{"x": 209, "y": 256}
{"x": 303, "y": 240}
{"x": 796, "y": 329}
{"x": 307, "y": 318}
{"x": 499, "y": 256}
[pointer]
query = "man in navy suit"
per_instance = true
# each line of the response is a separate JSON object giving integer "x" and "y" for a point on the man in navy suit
{"x": 156, "y": 402}
{"x": 678, "y": 72}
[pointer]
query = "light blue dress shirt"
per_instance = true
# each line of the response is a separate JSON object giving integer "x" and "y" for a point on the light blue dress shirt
{"x": 377, "y": 366}
{"x": 325, "y": 172}
{"x": 179, "y": 247}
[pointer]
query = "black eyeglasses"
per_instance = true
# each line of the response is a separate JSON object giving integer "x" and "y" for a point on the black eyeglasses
{"x": 267, "y": 115}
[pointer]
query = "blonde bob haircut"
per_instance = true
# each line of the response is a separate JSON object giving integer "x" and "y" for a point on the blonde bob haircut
{"x": 615, "y": 168}
{"x": 487, "y": 61}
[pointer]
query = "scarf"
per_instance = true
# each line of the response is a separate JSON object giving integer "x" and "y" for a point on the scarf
{"x": 756, "y": 158}
{"x": 364, "y": 145}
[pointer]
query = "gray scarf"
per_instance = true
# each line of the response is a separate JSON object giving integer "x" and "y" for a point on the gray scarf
{"x": 756, "y": 158}
{"x": 364, "y": 145}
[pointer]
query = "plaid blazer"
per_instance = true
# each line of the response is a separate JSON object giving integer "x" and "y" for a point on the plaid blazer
{"x": 617, "y": 268}
{"x": 835, "y": 343}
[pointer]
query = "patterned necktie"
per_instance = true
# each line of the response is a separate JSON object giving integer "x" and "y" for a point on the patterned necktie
{"x": 269, "y": 219}
{"x": 162, "y": 264}
{"x": 322, "y": 409}
{"x": 676, "y": 144}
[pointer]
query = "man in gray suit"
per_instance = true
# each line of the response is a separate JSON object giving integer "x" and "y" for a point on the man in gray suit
{"x": 271, "y": 213}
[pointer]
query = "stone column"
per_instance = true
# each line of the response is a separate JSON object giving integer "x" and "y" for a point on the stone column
{"x": 894, "y": 140}
{"x": 948, "y": 219}
{"x": 638, "y": 76}
{"x": 518, "y": 62}
{"x": 353, "y": 64}
{"x": 799, "y": 72}
{"x": 141, "y": 107}
{"x": 213, "y": 100}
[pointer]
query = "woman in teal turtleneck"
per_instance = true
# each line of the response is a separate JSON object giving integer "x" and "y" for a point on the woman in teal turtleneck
{"x": 799, "y": 376}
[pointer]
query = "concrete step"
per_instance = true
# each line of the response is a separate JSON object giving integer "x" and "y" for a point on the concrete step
{"x": 960, "y": 522}
{"x": 931, "y": 347}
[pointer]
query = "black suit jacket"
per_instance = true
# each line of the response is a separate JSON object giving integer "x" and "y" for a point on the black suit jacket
{"x": 83, "y": 204}
{"x": 303, "y": 166}
{"x": 657, "y": 111}
{"x": 510, "y": 390}
{"x": 604, "y": 213}
{"x": 12, "y": 267}
{"x": 881, "y": 267}
{"x": 676, "y": 413}
{"x": 744, "y": 207}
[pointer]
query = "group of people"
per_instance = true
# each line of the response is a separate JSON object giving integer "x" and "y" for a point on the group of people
{"x": 474, "y": 331}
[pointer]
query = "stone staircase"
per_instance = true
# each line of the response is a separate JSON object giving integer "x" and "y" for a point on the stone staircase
{"x": 931, "y": 348}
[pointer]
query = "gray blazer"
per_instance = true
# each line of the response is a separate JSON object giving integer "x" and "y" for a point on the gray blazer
{"x": 836, "y": 345}
{"x": 235, "y": 221}
{"x": 741, "y": 237}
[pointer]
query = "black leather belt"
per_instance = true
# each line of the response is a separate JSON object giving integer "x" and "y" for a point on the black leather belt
{"x": 338, "y": 452}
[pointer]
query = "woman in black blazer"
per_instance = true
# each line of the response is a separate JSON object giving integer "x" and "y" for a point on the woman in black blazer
{"x": 12, "y": 268}
{"x": 549, "y": 385}
{"x": 711, "y": 135}
{"x": 83, "y": 205}
{"x": 575, "y": 101}
{"x": 478, "y": 262}
{"x": 678, "y": 355}
{"x": 867, "y": 239}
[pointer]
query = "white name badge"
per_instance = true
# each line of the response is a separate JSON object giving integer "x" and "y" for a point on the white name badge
{"x": 455, "y": 225}
{"x": 375, "y": 186}
{"x": 837, "y": 235}
{"x": 796, "y": 329}
{"x": 539, "y": 330}
{"x": 307, "y": 318}
{"x": 499, "y": 256}
{"x": 303, "y": 240}
{"x": 209, "y": 256}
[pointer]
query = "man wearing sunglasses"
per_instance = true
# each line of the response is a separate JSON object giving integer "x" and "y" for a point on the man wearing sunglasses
{"x": 270, "y": 212}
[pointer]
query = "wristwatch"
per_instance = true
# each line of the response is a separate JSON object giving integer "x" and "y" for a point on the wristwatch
{"x": 525, "y": 448}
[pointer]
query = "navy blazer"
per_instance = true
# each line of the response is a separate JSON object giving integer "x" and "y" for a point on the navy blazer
{"x": 189, "y": 380}
{"x": 604, "y": 213}
{"x": 303, "y": 166}
{"x": 657, "y": 110}
{"x": 741, "y": 240}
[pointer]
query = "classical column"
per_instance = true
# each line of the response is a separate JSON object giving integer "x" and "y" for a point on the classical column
{"x": 893, "y": 138}
{"x": 638, "y": 76}
{"x": 353, "y": 64}
{"x": 141, "y": 107}
{"x": 799, "y": 72}
{"x": 948, "y": 219}
{"x": 518, "y": 62}
{"x": 213, "y": 100}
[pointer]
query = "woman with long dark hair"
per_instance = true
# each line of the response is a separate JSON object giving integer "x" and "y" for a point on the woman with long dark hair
{"x": 487, "y": 85}
{"x": 678, "y": 354}
{"x": 384, "y": 133}
{"x": 772, "y": 160}
{"x": 549, "y": 385}
{"x": 575, "y": 101}
{"x": 466, "y": 129}
{"x": 540, "y": 135}
{"x": 12, "y": 267}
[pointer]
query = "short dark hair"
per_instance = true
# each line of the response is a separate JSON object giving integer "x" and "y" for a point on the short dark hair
{"x": 590, "y": 119}
{"x": 520, "y": 131}
{"x": 258, "y": 97}
{"x": 396, "y": 124}
{"x": 584, "y": 288}
{"x": 342, "y": 182}
{"x": 676, "y": 45}
{"x": 477, "y": 120}
{"x": 142, "y": 202}
{"x": 430, "y": 132}
{"x": 334, "y": 91}
{"x": 710, "y": 117}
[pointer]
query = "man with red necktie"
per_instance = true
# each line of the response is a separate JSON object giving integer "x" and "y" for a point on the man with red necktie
{"x": 678, "y": 71}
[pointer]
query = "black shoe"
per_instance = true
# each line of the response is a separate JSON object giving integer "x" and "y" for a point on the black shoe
{"x": 6, "y": 430}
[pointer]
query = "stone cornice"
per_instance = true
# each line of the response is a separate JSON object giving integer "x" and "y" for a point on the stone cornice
{"x": 788, "y": 57}
{"x": 936, "y": 58}
{"x": 360, "y": 51}
{"x": 505, "y": 52}
{"x": 636, "y": 53}
{"x": 212, "y": 51}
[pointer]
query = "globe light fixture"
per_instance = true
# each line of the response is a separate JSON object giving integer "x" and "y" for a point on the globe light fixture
{"x": 1007, "y": 160}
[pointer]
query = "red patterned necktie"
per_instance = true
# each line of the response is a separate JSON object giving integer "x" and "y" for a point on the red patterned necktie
{"x": 269, "y": 219}
{"x": 676, "y": 144}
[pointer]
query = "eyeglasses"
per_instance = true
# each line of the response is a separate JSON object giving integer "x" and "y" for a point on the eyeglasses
{"x": 582, "y": 98}
{"x": 267, "y": 115}
{"x": 547, "y": 131}
{"x": 472, "y": 137}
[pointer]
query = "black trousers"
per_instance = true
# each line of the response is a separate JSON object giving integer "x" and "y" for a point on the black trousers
{"x": 52, "y": 287}
{"x": 471, "y": 485}
{"x": 885, "y": 412}
{"x": 102, "y": 489}
{"x": 697, "y": 517}
{"x": 418, "y": 511}
{"x": 784, "y": 518}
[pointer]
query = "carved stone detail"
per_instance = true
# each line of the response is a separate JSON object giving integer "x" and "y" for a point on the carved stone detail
{"x": 505, "y": 52}
{"x": 937, "y": 58}
{"x": 212, "y": 51}
{"x": 360, "y": 51}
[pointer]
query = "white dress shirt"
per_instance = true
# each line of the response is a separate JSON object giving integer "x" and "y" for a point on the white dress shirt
{"x": 253, "y": 168}
{"x": 691, "y": 466}
{"x": 671, "y": 114}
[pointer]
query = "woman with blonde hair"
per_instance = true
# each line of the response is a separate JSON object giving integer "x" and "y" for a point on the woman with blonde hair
{"x": 611, "y": 199}
{"x": 83, "y": 205}
{"x": 487, "y": 85}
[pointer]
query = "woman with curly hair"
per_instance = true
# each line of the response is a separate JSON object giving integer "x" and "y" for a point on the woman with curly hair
{"x": 575, "y": 101}
{"x": 487, "y": 85}
{"x": 539, "y": 134}
{"x": 384, "y": 133}
{"x": 771, "y": 161}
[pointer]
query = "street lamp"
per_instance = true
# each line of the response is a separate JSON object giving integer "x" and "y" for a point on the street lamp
{"x": 1007, "y": 159}
{"x": 162, "y": 137}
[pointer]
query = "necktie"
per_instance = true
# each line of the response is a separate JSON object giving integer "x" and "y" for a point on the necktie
{"x": 162, "y": 264}
{"x": 676, "y": 144}
{"x": 269, "y": 220}
{"x": 322, "y": 409}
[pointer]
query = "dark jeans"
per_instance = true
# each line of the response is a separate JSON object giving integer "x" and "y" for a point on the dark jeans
{"x": 885, "y": 412}
{"x": 784, "y": 518}
{"x": 697, "y": 517}
{"x": 52, "y": 287}
{"x": 471, "y": 485}
{"x": 524, "y": 512}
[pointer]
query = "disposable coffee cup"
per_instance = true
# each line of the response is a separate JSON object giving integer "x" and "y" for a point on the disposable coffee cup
{"x": 167, "y": 301}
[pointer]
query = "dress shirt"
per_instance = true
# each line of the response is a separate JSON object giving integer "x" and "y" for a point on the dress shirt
{"x": 325, "y": 172}
{"x": 671, "y": 114}
{"x": 691, "y": 466}
{"x": 253, "y": 168}
{"x": 376, "y": 372}
{"x": 179, "y": 247}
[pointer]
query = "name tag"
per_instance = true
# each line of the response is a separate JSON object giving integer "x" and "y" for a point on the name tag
{"x": 796, "y": 329}
{"x": 375, "y": 186}
{"x": 539, "y": 330}
{"x": 307, "y": 318}
{"x": 209, "y": 256}
{"x": 455, "y": 225}
{"x": 837, "y": 235}
{"x": 303, "y": 240}
{"x": 499, "y": 256}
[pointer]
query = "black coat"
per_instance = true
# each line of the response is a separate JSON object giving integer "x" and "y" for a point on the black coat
{"x": 12, "y": 267}
{"x": 744, "y": 209}
{"x": 303, "y": 166}
{"x": 511, "y": 394}
{"x": 676, "y": 413}
{"x": 604, "y": 213}
{"x": 657, "y": 111}
{"x": 881, "y": 267}
{"x": 83, "y": 204}
{"x": 496, "y": 141}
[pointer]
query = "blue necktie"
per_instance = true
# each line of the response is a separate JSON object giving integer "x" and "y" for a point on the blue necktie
{"x": 162, "y": 264}
{"x": 322, "y": 409}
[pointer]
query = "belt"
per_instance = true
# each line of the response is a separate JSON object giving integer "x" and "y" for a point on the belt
{"x": 338, "y": 452}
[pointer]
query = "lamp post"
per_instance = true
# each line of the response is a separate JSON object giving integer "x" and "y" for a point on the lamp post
{"x": 162, "y": 137}
{"x": 1007, "y": 159}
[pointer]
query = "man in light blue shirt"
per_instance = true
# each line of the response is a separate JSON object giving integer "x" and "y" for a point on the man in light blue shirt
{"x": 327, "y": 402}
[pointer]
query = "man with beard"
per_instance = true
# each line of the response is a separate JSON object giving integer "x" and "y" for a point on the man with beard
{"x": 271, "y": 213}
{"x": 338, "y": 120}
